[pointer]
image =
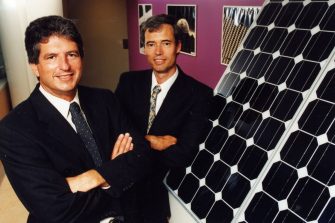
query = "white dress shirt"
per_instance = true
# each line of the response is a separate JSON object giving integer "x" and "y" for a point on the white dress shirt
{"x": 61, "y": 105}
{"x": 165, "y": 87}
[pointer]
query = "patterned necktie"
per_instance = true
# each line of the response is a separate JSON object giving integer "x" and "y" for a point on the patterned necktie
{"x": 85, "y": 133}
{"x": 153, "y": 99}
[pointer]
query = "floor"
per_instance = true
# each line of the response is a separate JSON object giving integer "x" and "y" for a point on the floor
{"x": 11, "y": 209}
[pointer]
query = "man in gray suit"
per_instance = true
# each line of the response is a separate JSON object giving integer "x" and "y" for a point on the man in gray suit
{"x": 169, "y": 108}
{"x": 57, "y": 146}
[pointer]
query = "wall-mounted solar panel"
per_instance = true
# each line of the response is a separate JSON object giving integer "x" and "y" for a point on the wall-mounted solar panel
{"x": 269, "y": 155}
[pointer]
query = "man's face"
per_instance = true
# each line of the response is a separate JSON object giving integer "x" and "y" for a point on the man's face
{"x": 161, "y": 50}
{"x": 59, "y": 67}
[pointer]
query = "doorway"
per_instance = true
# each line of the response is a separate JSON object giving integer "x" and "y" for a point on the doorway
{"x": 103, "y": 25}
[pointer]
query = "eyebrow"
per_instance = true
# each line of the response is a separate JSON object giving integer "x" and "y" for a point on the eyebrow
{"x": 67, "y": 52}
{"x": 48, "y": 54}
{"x": 73, "y": 51}
{"x": 164, "y": 40}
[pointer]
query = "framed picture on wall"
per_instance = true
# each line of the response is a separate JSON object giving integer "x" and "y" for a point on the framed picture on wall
{"x": 186, "y": 17}
{"x": 144, "y": 12}
{"x": 235, "y": 24}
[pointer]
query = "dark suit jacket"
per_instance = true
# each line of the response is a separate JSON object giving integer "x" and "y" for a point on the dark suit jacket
{"x": 183, "y": 114}
{"x": 39, "y": 149}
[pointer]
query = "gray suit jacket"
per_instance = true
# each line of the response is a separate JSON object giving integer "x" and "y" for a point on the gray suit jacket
{"x": 183, "y": 114}
{"x": 39, "y": 149}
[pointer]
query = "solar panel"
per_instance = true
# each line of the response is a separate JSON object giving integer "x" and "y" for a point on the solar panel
{"x": 268, "y": 155}
{"x": 299, "y": 184}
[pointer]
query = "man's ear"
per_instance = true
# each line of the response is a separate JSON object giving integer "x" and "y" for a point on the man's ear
{"x": 144, "y": 50}
{"x": 34, "y": 69}
{"x": 178, "y": 47}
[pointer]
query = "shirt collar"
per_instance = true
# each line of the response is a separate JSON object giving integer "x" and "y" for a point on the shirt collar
{"x": 60, "y": 104}
{"x": 167, "y": 84}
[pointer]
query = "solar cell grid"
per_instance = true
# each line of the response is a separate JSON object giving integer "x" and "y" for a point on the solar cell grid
{"x": 268, "y": 156}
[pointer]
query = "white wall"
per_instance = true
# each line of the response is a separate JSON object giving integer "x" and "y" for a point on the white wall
{"x": 178, "y": 212}
{"x": 15, "y": 16}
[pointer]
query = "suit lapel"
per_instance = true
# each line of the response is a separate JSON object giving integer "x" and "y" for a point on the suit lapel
{"x": 144, "y": 86}
{"x": 173, "y": 96}
{"x": 96, "y": 122}
{"x": 56, "y": 127}
{"x": 173, "y": 99}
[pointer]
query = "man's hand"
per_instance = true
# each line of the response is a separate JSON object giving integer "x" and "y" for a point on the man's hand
{"x": 161, "y": 143}
{"x": 122, "y": 145}
{"x": 91, "y": 178}
{"x": 86, "y": 181}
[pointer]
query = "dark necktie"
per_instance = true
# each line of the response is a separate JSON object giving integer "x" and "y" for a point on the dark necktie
{"x": 85, "y": 133}
{"x": 153, "y": 99}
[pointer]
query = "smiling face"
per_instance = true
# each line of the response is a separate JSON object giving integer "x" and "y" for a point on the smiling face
{"x": 161, "y": 51}
{"x": 59, "y": 67}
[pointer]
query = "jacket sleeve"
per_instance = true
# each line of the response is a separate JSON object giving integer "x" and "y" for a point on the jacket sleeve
{"x": 191, "y": 132}
{"x": 126, "y": 169}
{"x": 36, "y": 163}
{"x": 41, "y": 188}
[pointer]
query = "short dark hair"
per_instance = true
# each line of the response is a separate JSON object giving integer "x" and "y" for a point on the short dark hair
{"x": 42, "y": 28}
{"x": 154, "y": 22}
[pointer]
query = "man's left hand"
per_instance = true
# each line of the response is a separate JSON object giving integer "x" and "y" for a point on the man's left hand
{"x": 91, "y": 178}
{"x": 85, "y": 181}
{"x": 161, "y": 143}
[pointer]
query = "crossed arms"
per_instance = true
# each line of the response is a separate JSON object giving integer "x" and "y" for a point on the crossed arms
{"x": 92, "y": 179}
